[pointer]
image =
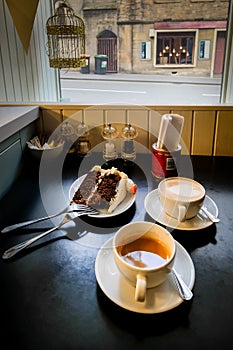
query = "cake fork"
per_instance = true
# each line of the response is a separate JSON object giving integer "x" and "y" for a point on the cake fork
{"x": 71, "y": 208}
{"x": 18, "y": 247}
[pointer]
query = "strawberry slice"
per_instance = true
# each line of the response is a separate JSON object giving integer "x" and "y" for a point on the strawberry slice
{"x": 133, "y": 189}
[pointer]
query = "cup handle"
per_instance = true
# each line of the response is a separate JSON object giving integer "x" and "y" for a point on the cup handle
{"x": 140, "y": 292}
{"x": 182, "y": 212}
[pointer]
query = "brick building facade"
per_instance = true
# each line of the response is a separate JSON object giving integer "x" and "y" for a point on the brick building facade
{"x": 156, "y": 36}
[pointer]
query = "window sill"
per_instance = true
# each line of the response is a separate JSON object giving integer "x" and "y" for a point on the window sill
{"x": 13, "y": 119}
{"x": 174, "y": 66}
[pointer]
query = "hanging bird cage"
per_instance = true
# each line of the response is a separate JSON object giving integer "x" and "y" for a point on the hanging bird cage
{"x": 66, "y": 39}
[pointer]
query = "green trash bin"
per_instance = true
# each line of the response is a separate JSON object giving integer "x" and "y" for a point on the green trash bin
{"x": 86, "y": 68}
{"x": 101, "y": 64}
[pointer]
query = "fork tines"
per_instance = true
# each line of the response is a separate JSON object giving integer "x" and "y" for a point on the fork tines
{"x": 83, "y": 208}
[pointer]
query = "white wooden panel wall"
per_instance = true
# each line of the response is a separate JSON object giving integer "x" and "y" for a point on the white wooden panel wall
{"x": 26, "y": 77}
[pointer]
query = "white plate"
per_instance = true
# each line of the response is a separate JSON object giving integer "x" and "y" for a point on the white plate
{"x": 118, "y": 289}
{"x": 155, "y": 210}
{"x": 122, "y": 207}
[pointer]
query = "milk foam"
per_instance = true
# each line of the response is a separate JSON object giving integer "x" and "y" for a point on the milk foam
{"x": 184, "y": 189}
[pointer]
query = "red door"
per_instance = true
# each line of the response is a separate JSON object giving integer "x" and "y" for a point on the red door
{"x": 219, "y": 53}
{"x": 107, "y": 45}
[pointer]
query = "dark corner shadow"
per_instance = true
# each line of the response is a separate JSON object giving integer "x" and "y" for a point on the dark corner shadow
{"x": 191, "y": 240}
{"x": 143, "y": 325}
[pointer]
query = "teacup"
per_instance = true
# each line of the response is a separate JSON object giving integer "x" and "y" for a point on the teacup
{"x": 181, "y": 197}
{"x": 144, "y": 253}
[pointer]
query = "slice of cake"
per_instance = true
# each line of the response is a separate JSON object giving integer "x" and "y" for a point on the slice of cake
{"x": 104, "y": 189}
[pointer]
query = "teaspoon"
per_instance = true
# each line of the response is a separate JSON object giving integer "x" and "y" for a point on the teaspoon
{"x": 210, "y": 216}
{"x": 182, "y": 287}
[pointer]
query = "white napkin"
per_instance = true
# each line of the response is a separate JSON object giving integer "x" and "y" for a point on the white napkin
{"x": 171, "y": 127}
{"x": 36, "y": 144}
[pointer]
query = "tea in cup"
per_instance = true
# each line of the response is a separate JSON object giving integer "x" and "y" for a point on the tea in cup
{"x": 181, "y": 197}
{"x": 144, "y": 253}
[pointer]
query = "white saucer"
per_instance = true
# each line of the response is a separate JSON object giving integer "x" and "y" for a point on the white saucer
{"x": 118, "y": 289}
{"x": 155, "y": 210}
{"x": 122, "y": 207}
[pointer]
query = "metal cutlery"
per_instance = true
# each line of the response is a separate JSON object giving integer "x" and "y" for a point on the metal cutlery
{"x": 182, "y": 287}
{"x": 210, "y": 216}
{"x": 18, "y": 247}
{"x": 71, "y": 208}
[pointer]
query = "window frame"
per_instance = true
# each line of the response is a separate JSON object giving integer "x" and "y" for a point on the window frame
{"x": 170, "y": 65}
{"x": 227, "y": 76}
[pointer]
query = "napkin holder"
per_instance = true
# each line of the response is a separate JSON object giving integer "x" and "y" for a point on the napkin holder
{"x": 165, "y": 163}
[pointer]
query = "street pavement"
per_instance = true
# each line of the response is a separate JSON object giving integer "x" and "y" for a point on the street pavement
{"x": 145, "y": 89}
{"x": 174, "y": 78}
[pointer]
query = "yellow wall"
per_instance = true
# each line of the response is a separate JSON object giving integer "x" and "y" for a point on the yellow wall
{"x": 208, "y": 130}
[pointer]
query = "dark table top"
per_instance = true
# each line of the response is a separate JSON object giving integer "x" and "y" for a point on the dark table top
{"x": 49, "y": 295}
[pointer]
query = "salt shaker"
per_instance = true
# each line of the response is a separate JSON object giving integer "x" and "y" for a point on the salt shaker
{"x": 109, "y": 133}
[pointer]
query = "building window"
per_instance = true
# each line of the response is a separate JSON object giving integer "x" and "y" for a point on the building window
{"x": 175, "y": 48}
{"x": 145, "y": 50}
{"x": 204, "y": 49}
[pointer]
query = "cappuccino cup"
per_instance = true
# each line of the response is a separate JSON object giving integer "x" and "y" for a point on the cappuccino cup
{"x": 180, "y": 197}
{"x": 144, "y": 253}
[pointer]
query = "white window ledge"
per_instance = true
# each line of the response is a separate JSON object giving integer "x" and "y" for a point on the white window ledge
{"x": 13, "y": 119}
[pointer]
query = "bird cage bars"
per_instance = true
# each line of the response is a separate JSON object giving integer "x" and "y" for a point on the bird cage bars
{"x": 66, "y": 39}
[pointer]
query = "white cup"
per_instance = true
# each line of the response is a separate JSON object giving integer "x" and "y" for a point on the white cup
{"x": 181, "y": 197}
{"x": 132, "y": 238}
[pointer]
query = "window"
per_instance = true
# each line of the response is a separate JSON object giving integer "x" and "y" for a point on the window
{"x": 145, "y": 50}
{"x": 175, "y": 48}
{"x": 204, "y": 49}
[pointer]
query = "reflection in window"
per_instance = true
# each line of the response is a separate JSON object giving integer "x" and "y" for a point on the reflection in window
{"x": 175, "y": 48}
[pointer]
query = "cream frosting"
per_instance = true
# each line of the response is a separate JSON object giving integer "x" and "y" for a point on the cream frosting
{"x": 124, "y": 185}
